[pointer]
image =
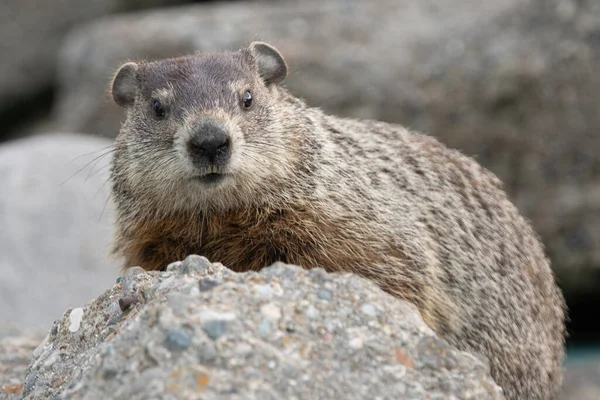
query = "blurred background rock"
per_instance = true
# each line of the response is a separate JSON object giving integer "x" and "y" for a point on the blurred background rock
{"x": 514, "y": 83}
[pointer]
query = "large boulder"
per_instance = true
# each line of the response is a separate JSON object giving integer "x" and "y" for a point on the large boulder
{"x": 31, "y": 33}
{"x": 56, "y": 226}
{"x": 201, "y": 330}
{"x": 582, "y": 378}
{"x": 342, "y": 54}
{"x": 516, "y": 83}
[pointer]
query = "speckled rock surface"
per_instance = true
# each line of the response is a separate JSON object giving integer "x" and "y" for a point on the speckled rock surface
{"x": 200, "y": 329}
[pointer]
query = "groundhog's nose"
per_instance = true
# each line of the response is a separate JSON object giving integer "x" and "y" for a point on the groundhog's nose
{"x": 209, "y": 144}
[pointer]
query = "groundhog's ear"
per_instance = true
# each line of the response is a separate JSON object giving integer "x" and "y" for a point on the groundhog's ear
{"x": 271, "y": 65}
{"x": 125, "y": 85}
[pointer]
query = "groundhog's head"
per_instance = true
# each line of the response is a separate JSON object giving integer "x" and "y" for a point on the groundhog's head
{"x": 205, "y": 130}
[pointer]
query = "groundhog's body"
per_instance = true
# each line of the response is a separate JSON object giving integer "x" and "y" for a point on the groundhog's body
{"x": 426, "y": 223}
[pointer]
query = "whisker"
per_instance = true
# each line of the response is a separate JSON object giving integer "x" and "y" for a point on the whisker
{"x": 86, "y": 165}
{"x": 99, "y": 169}
{"x": 101, "y": 187}
{"x": 90, "y": 153}
{"x": 104, "y": 208}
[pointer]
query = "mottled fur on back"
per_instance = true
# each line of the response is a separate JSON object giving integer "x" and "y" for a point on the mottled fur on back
{"x": 425, "y": 222}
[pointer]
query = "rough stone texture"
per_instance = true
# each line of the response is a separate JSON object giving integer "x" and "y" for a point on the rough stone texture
{"x": 16, "y": 347}
{"x": 200, "y": 329}
{"x": 31, "y": 33}
{"x": 55, "y": 229}
{"x": 515, "y": 83}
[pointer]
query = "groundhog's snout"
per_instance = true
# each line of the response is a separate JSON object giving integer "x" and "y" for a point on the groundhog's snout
{"x": 209, "y": 146}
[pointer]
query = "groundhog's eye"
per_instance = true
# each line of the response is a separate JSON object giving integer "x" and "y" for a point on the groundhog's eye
{"x": 158, "y": 108}
{"x": 247, "y": 99}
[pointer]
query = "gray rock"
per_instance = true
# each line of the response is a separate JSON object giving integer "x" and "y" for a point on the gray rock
{"x": 515, "y": 83}
{"x": 177, "y": 340}
{"x": 159, "y": 352}
{"x": 582, "y": 378}
{"x": 56, "y": 226}
{"x": 195, "y": 264}
{"x": 325, "y": 295}
{"x": 31, "y": 35}
{"x": 215, "y": 328}
{"x": 329, "y": 66}
{"x": 207, "y": 284}
{"x": 16, "y": 347}
{"x": 125, "y": 303}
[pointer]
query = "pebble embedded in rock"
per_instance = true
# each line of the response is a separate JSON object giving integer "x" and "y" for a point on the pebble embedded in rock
{"x": 207, "y": 284}
{"x": 174, "y": 267}
{"x": 207, "y": 353}
{"x": 355, "y": 343}
{"x": 75, "y": 318}
{"x": 30, "y": 382}
{"x": 177, "y": 340}
{"x": 115, "y": 319}
{"x": 195, "y": 265}
{"x": 209, "y": 314}
{"x": 312, "y": 312}
{"x": 109, "y": 373}
{"x": 270, "y": 311}
{"x": 290, "y": 327}
{"x": 129, "y": 283}
{"x": 265, "y": 327}
{"x": 38, "y": 350}
{"x": 368, "y": 309}
{"x": 113, "y": 310}
{"x": 51, "y": 359}
{"x": 324, "y": 295}
{"x": 125, "y": 303}
{"x": 264, "y": 289}
{"x": 215, "y": 328}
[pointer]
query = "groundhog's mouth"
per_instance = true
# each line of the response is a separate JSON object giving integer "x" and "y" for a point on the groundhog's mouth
{"x": 211, "y": 178}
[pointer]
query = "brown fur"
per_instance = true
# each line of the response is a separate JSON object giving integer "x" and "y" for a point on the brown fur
{"x": 424, "y": 222}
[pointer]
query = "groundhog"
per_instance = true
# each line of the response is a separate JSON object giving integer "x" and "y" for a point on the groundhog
{"x": 217, "y": 158}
